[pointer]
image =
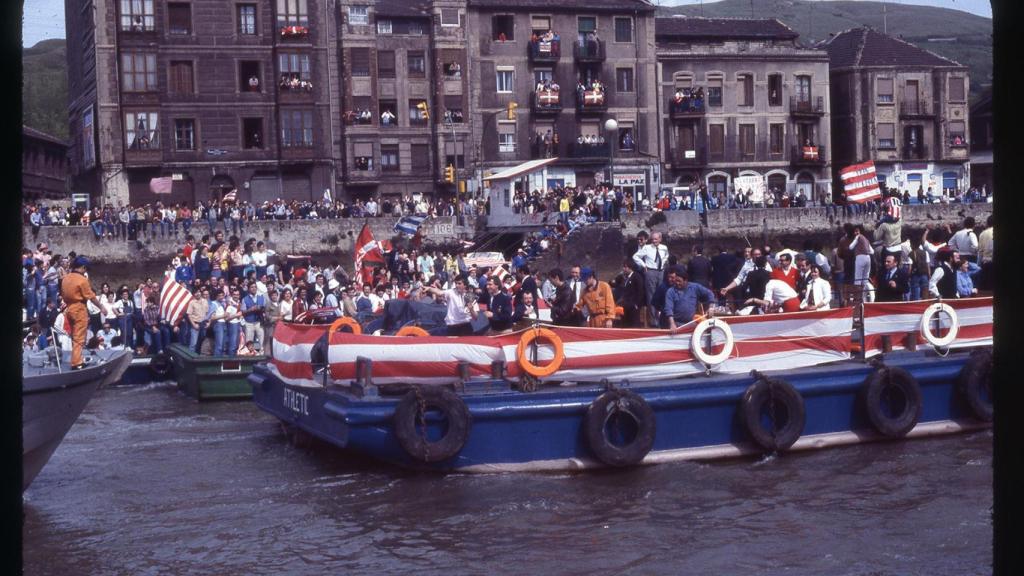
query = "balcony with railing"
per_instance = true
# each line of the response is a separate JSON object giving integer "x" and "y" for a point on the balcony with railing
{"x": 807, "y": 106}
{"x": 293, "y": 31}
{"x": 689, "y": 157}
{"x": 807, "y": 155}
{"x": 592, "y": 101}
{"x": 541, "y": 149}
{"x": 587, "y": 150}
{"x": 543, "y": 51}
{"x": 545, "y": 102}
{"x": 684, "y": 106}
{"x": 362, "y": 117}
{"x": 588, "y": 51}
{"x": 915, "y": 109}
{"x": 919, "y": 152}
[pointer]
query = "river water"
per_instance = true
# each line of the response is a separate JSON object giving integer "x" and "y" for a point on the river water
{"x": 151, "y": 482}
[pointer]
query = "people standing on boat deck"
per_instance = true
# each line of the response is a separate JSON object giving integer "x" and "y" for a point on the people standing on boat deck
{"x": 598, "y": 302}
{"x": 965, "y": 241}
{"x": 630, "y": 294}
{"x": 499, "y": 308}
{"x": 197, "y": 315}
{"x": 157, "y": 334}
{"x": 889, "y": 236}
{"x": 525, "y": 312}
{"x": 985, "y": 256}
{"x": 750, "y": 255}
{"x": 757, "y": 280}
{"x": 657, "y": 301}
{"x": 723, "y": 268}
{"x": 682, "y": 300}
{"x": 862, "y": 251}
{"x": 786, "y": 271}
{"x": 942, "y": 283}
{"x": 778, "y": 295}
{"x": 699, "y": 268}
{"x": 253, "y": 307}
{"x": 527, "y": 284}
{"x": 563, "y": 306}
{"x": 461, "y": 310}
{"x": 892, "y": 281}
{"x": 819, "y": 292}
{"x": 964, "y": 284}
{"x": 652, "y": 258}
{"x": 76, "y": 292}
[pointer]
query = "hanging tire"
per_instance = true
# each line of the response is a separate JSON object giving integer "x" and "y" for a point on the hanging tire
{"x": 410, "y": 425}
{"x": 975, "y": 382}
{"x": 160, "y": 365}
{"x": 618, "y": 408}
{"x": 892, "y": 398}
{"x": 772, "y": 412}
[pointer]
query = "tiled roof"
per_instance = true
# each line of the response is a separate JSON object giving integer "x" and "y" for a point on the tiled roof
{"x": 33, "y": 133}
{"x": 697, "y": 27}
{"x": 622, "y": 6}
{"x": 866, "y": 47}
{"x": 403, "y": 8}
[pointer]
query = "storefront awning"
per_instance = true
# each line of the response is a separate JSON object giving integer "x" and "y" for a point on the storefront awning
{"x": 520, "y": 170}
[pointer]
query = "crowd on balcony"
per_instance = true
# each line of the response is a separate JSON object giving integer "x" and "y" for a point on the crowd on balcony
{"x": 452, "y": 70}
{"x": 362, "y": 116}
{"x": 546, "y": 44}
{"x": 545, "y": 89}
{"x": 453, "y": 116}
{"x": 546, "y": 144}
{"x": 688, "y": 100}
{"x": 292, "y": 82}
{"x": 590, "y": 92}
{"x": 590, "y": 45}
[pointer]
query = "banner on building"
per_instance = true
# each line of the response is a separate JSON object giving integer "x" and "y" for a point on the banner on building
{"x": 637, "y": 179}
{"x": 752, "y": 184}
{"x": 161, "y": 185}
{"x": 860, "y": 183}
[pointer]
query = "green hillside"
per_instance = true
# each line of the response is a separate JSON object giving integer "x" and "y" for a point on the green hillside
{"x": 44, "y": 92}
{"x": 814, "y": 21}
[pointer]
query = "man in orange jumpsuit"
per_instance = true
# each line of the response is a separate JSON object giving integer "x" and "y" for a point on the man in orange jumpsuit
{"x": 76, "y": 291}
{"x": 599, "y": 302}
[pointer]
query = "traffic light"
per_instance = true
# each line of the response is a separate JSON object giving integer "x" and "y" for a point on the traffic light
{"x": 449, "y": 173}
{"x": 424, "y": 111}
{"x": 512, "y": 110}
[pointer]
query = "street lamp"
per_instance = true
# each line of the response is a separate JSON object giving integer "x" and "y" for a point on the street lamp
{"x": 611, "y": 126}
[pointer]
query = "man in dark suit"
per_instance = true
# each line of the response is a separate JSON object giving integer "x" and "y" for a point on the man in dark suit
{"x": 722, "y": 271}
{"x": 629, "y": 294}
{"x": 892, "y": 281}
{"x": 757, "y": 279}
{"x": 563, "y": 308}
{"x": 527, "y": 283}
{"x": 699, "y": 268}
{"x": 803, "y": 274}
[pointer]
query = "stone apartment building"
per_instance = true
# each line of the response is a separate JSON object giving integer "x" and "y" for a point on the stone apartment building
{"x": 44, "y": 166}
{"x": 740, "y": 97}
{"x": 599, "y": 54}
{"x": 902, "y": 107}
{"x": 218, "y": 95}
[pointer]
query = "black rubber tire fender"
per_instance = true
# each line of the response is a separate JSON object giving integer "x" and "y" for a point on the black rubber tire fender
{"x": 975, "y": 382}
{"x": 596, "y": 419}
{"x": 788, "y": 404}
{"x": 880, "y": 382}
{"x": 318, "y": 353}
{"x": 160, "y": 365}
{"x": 408, "y": 423}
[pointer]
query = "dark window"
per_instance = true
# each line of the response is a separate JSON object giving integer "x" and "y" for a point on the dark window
{"x": 627, "y": 139}
{"x": 296, "y": 129}
{"x": 386, "y": 63}
{"x": 453, "y": 109}
{"x": 388, "y": 113}
{"x": 138, "y": 72}
{"x": 179, "y": 18}
{"x": 363, "y": 110}
{"x": 623, "y": 29}
{"x": 142, "y": 130}
{"x": 247, "y": 19}
{"x": 249, "y": 79}
{"x": 775, "y": 89}
{"x": 184, "y": 134}
{"x": 454, "y": 153}
{"x": 137, "y": 15}
{"x": 360, "y": 61}
{"x": 886, "y": 136}
{"x": 389, "y": 158}
{"x": 362, "y": 153}
{"x": 715, "y": 95}
{"x": 775, "y": 138}
{"x": 956, "y": 89}
{"x": 803, "y": 89}
{"x": 252, "y": 133}
{"x": 586, "y": 24}
{"x": 745, "y": 90}
{"x": 450, "y": 17}
{"x": 717, "y": 139}
{"x": 417, "y": 65}
{"x": 623, "y": 79}
{"x": 181, "y": 78}
{"x": 884, "y": 88}
{"x": 746, "y": 140}
{"x": 503, "y": 28}
{"x": 420, "y": 158}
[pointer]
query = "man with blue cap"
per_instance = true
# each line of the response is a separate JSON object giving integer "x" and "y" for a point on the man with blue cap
{"x": 75, "y": 290}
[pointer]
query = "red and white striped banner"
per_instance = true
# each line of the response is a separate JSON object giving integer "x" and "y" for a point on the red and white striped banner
{"x": 776, "y": 342}
{"x": 174, "y": 300}
{"x": 898, "y": 319}
{"x": 860, "y": 184}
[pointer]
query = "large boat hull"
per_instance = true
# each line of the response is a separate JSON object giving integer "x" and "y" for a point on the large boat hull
{"x": 696, "y": 418}
{"x": 52, "y": 401}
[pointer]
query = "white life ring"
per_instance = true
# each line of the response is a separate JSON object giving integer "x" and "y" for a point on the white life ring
{"x": 926, "y": 325}
{"x": 698, "y": 335}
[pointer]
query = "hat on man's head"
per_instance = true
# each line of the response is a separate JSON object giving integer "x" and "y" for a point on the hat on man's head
{"x": 80, "y": 262}
{"x": 332, "y": 284}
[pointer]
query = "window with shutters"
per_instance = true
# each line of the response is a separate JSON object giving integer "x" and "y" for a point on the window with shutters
{"x": 956, "y": 89}
{"x": 716, "y": 141}
{"x": 505, "y": 79}
{"x": 184, "y": 134}
{"x": 506, "y": 136}
{"x": 292, "y": 13}
{"x": 450, "y": 17}
{"x": 362, "y": 154}
{"x": 296, "y": 128}
{"x": 746, "y": 141}
{"x": 775, "y": 89}
{"x": 775, "y": 132}
{"x": 623, "y": 79}
{"x": 745, "y": 90}
{"x": 623, "y": 29}
{"x": 453, "y": 112}
{"x": 417, "y": 64}
{"x": 142, "y": 130}
{"x": 540, "y": 24}
{"x": 886, "y": 136}
{"x": 385, "y": 63}
{"x": 389, "y": 158}
{"x": 181, "y": 80}
{"x": 715, "y": 91}
{"x": 360, "y": 61}
{"x": 957, "y": 133}
{"x": 252, "y": 133}
{"x": 420, "y": 156}
{"x": 138, "y": 72}
{"x": 137, "y": 16}
{"x": 247, "y": 19}
{"x": 454, "y": 153}
{"x": 179, "y": 18}
{"x": 883, "y": 90}
{"x": 359, "y": 15}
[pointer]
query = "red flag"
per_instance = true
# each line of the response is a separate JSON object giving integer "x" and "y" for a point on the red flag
{"x": 161, "y": 185}
{"x": 860, "y": 184}
{"x": 367, "y": 249}
{"x": 174, "y": 300}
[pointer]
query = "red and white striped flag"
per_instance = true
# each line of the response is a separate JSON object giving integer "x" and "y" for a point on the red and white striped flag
{"x": 860, "y": 184}
{"x": 161, "y": 185}
{"x": 893, "y": 207}
{"x": 174, "y": 300}
{"x": 231, "y": 196}
{"x": 367, "y": 249}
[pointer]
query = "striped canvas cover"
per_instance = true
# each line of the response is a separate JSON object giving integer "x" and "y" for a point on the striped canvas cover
{"x": 897, "y": 319}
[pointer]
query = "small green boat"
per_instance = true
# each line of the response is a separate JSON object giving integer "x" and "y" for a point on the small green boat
{"x": 212, "y": 377}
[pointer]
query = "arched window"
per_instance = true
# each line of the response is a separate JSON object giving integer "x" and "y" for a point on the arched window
{"x": 717, "y": 184}
{"x": 777, "y": 182}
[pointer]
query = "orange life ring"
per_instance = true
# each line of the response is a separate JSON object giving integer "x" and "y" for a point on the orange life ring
{"x": 344, "y": 321}
{"x": 411, "y": 331}
{"x": 539, "y": 371}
